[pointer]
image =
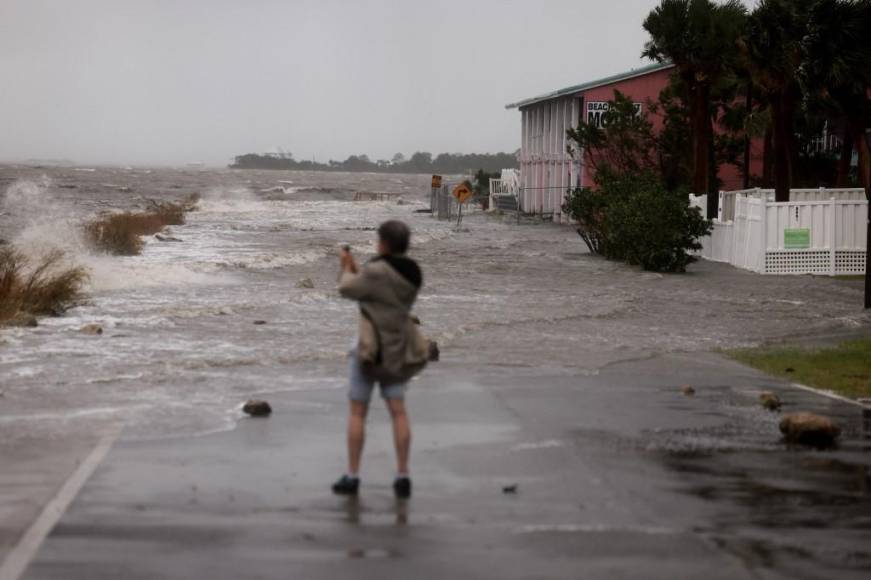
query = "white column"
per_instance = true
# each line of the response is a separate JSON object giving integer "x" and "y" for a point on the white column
{"x": 764, "y": 233}
{"x": 833, "y": 206}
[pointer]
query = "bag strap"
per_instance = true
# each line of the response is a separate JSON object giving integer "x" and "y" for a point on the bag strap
{"x": 378, "y": 358}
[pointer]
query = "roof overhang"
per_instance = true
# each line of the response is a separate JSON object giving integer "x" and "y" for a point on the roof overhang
{"x": 634, "y": 73}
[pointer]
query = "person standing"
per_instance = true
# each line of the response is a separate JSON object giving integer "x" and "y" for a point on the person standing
{"x": 389, "y": 349}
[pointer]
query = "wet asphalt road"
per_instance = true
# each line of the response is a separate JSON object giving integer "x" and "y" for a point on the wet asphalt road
{"x": 618, "y": 475}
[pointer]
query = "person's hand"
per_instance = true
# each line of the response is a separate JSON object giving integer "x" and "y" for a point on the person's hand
{"x": 346, "y": 261}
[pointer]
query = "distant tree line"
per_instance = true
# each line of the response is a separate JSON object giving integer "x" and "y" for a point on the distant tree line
{"x": 419, "y": 162}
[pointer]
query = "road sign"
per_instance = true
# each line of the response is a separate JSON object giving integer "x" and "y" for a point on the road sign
{"x": 462, "y": 192}
{"x": 436, "y": 181}
{"x": 796, "y": 238}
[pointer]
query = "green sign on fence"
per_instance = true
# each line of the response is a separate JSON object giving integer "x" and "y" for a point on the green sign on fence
{"x": 796, "y": 238}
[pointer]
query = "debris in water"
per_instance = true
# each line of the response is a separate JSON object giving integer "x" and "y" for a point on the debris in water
{"x": 770, "y": 401}
{"x": 509, "y": 489}
{"x": 305, "y": 283}
{"x": 789, "y": 370}
{"x": 434, "y": 352}
{"x": 257, "y": 408}
{"x": 91, "y": 329}
{"x": 687, "y": 390}
{"x": 809, "y": 429}
{"x": 165, "y": 238}
{"x": 259, "y": 322}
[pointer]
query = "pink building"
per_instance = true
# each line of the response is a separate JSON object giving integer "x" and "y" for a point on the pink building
{"x": 546, "y": 169}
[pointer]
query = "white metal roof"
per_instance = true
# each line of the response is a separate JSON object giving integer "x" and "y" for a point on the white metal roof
{"x": 638, "y": 72}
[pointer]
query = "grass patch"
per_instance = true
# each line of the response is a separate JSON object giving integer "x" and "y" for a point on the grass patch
{"x": 845, "y": 369}
{"x": 121, "y": 233}
{"x": 44, "y": 286}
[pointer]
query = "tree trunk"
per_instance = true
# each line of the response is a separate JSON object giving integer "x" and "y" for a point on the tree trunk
{"x": 782, "y": 109}
{"x": 700, "y": 125}
{"x": 702, "y": 133}
{"x": 863, "y": 144}
{"x": 768, "y": 157}
{"x": 749, "y": 104}
{"x": 846, "y": 156}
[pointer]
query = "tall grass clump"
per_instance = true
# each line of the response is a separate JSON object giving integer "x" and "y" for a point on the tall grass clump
{"x": 41, "y": 286}
{"x": 121, "y": 233}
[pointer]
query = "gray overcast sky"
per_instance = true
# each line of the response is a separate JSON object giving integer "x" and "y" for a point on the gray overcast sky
{"x": 175, "y": 81}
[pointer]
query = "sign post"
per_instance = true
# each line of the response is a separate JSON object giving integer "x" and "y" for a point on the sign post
{"x": 462, "y": 193}
{"x": 436, "y": 186}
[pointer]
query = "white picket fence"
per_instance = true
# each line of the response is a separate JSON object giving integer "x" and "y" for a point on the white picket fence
{"x": 751, "y": 229}
{"x": 728, "y": 198}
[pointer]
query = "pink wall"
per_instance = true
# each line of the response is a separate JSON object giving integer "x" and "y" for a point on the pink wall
{"x": 642, "y": 88}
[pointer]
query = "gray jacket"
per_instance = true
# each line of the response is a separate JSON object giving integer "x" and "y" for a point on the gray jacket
{"x": 391, "y": 346}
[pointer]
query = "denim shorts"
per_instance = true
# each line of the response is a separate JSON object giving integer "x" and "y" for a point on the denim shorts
{"x": 362, "y": 384}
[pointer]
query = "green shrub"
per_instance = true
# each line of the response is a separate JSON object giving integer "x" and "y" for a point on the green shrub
{"x": 482, "y": 182}
{"x": 634, "y": 218}
{"x": 587, "y": 207}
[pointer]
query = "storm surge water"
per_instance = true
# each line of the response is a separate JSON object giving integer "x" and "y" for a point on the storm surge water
{"x": 214, "y": 313}
{"x": 179, "y": 348}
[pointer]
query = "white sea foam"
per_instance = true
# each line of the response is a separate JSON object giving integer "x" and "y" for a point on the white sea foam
{"x": 533, "y": 446}
{"x": 48, "y": 226}
{"x": 593, "y": 529}
{"x": 234, "y": 199}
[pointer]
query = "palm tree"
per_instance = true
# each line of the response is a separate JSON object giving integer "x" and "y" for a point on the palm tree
{"x": 772, "y": 52}
{"x": 700, "y": 37}
{"x": 836, "y": 72}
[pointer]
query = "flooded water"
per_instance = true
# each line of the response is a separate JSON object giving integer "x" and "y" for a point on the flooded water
{"x": 180, "y": 349}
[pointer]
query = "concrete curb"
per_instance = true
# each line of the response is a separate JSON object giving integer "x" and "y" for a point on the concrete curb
{"x": 864, "y": 404}
{"x": 830, "y": 395}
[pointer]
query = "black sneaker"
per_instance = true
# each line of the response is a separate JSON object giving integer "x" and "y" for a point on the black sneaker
{"x": 347, "y": 485}
{"x": 402, "y": 487}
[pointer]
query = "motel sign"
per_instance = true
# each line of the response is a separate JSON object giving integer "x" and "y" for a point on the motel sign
{"x": 597, "y": 109}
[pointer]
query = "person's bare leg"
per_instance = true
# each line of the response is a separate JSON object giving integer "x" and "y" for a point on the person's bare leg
{"x": 401, "y": 433}
{"x": 356, "y": 435}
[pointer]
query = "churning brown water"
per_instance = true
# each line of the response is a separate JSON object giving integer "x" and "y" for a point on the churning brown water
{"x": 180, "y": 349}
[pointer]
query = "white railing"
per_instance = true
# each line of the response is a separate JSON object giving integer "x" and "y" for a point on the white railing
{"x": 755, "y": 237}
{"x": 508, "y": 185}
{"x": 501, "y": 187}
{"x": 726, "y": 210}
